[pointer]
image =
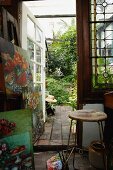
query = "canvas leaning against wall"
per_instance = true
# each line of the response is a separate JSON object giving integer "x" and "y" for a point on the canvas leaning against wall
{"x": 16, "y": 150}
{"x": 16, "y": 65}
{"x": 18, "y": 79}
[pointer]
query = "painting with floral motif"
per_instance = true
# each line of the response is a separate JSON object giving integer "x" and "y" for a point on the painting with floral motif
{"x": 16, "y": 149}
{"x": 18, "y": 79}
{"x": 17, "y": 72}
{"x": 16, "y": 152}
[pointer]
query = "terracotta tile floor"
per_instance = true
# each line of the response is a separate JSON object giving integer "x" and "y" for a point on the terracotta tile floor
{"x": 55, "y": 138}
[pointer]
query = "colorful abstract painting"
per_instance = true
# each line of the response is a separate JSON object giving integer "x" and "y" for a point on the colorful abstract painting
{"x": 16, "y": 149}
{"x": 16, "y": 66}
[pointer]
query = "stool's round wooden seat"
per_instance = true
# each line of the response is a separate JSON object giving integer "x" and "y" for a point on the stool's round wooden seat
{"x": 87, "y": 115}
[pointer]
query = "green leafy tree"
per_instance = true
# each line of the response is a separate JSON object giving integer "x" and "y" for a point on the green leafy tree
{"x": 62, "y": 72}
{"x": 63, "y": 53}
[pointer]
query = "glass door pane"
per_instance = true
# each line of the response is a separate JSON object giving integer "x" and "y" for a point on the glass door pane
{"x": 34, "y": 41}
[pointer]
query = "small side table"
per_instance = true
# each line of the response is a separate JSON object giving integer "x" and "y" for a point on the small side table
{"x": 88, "y": 116}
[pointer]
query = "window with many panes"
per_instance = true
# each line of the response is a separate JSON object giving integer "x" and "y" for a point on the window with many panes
{"x": 35, "y": 46}
{"x": 35, "y": 49}
{"x": 33, "y": 40}
{"x": 101, "y": 43}
{"x": 95, "y": 49}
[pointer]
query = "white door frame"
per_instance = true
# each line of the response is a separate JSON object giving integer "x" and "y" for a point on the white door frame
{"x": 25, "y": 13}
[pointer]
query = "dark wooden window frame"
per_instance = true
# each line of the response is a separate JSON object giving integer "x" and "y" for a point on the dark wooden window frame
{"x": 86, "y": 94}
{"x": 5, "y": 2}
{"x": 10, "y": 28}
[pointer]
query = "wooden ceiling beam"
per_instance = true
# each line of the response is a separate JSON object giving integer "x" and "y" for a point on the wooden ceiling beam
{"x": 55, "y": 16}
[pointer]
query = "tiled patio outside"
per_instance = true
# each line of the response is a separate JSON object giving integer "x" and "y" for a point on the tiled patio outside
{"x": 56, "y": 129}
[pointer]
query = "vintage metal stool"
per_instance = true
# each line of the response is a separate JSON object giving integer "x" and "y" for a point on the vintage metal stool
{"x": 87, "y": 116}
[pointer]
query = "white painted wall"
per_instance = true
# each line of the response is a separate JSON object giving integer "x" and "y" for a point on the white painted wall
{"x": 90, "y": 129}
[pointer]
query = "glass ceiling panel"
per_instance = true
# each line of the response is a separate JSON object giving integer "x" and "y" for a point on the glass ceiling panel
{"x": 52, "y": 7}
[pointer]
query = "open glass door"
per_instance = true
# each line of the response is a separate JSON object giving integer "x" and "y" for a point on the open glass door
{"x": 33, "y": 40}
